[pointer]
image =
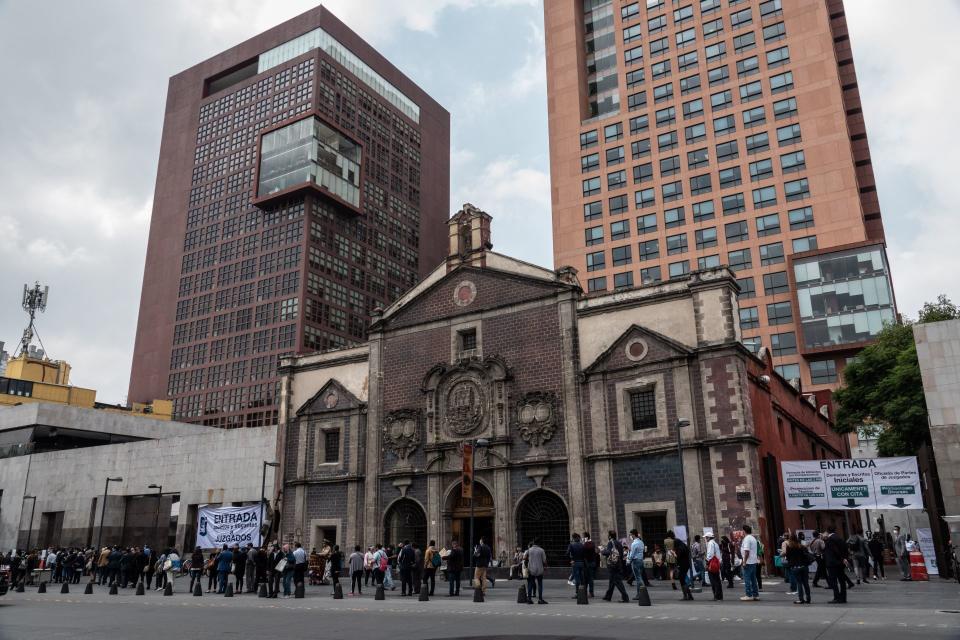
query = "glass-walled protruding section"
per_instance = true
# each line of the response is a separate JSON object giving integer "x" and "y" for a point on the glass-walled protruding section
{"x": 308, "y": 151}
{"x": 844, "y": 297}
{"x": 320, "y": 39}
{"x": 601, "y": 56}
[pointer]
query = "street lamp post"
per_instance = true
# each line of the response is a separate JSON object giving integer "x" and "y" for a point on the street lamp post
{"x": 103, "y": 511}
{"x": 33, "y": 508}
{"x": 477, "y": 442}
{"x": 263, "y": 491}
{"x": 156, "y": 519}
{"x": 683, "y": 486}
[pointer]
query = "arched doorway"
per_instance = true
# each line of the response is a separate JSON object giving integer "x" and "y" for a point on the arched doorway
{"x": 458, "y": 511}
{"x": 405, "y": 520}
{"x": 542, "y": 516}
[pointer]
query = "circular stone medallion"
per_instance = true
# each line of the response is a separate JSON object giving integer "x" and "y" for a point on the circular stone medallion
{"x": 636, "y": 349}
{"x": 464, "y": 293}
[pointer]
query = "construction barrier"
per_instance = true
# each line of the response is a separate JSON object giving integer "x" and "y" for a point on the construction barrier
{"x": 918, "y": 569}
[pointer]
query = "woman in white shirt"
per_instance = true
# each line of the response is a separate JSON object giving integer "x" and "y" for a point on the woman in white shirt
{"x": 713, "y": 566}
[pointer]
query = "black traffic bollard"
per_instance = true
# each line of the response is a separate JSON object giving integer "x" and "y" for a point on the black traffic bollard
{"x": 522, "y": 596}
{"x": 114, "y": 590}
{"x": 228, "y": 592}
{"x": 88, "y": 590}
{"x": 141, "y": 590}
{"x": 380, "y": 593}
{"x": 337, "y": 591}
{"x": 582, "y": 595}
{"x": 299, "y": 591}
{"x": 168, "y": 589}
{"x": 42, "y": 589}
{"x": 263, "y": 590}
{"x": 65, "y": 588}
{"x": 424, "y": 594}
{"x": 478, "y": 595}
{"x": 643, "y": 597}
{"x": 197, "y": 589}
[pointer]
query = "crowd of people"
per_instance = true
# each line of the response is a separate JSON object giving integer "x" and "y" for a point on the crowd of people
{"x": 704, "y": 561}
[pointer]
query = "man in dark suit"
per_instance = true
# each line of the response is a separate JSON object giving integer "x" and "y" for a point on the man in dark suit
{"x": 835, "y": 555}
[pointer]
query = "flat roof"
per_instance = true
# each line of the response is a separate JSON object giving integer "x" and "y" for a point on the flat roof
{"x": 95, "y": 421}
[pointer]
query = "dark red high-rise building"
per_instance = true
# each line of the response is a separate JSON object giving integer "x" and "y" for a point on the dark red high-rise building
{"x": 303, "y": 181}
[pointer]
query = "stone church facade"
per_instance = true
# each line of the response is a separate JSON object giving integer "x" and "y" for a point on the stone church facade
{"x": 577, "y": 398}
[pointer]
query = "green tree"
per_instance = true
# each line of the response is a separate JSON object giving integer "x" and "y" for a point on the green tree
{"x": 883, "y": 387}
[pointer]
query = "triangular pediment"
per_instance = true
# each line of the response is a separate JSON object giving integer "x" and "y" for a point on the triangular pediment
{"x": 637, "y": 346}
{"x": 469, "y": 289}
{"x": 332, "y": 396}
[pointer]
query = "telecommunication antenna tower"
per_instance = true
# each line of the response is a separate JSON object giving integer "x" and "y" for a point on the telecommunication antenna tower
{"x": 34, "y": 300}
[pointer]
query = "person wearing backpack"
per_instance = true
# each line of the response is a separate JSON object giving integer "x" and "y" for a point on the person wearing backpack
{"x": 613, "y": 552}
{"x": 431, "y": 562}
{"x": 714, "y": 564}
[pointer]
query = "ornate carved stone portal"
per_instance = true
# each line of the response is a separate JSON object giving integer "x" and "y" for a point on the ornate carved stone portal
{"x": 466, "y": 399}
{"x": 401, "y": 433}
{"x": 536, "y": 420}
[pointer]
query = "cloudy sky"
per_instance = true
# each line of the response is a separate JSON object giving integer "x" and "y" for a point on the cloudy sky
{"x": 81, "y": 109}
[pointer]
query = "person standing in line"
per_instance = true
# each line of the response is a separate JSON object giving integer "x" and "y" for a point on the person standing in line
{"x": 368, "y": 566}
{"x": 787, "y": 573}
{"x": 171, "y": 566}
{"x": 454, "y": 568}
{"x": 697, "y": 553}
{"x": 901, "y": 553}
{"x": 416, "y": 572}
{"x": 670, "y": 556}
{"x": 748, "y": 550}
{"x": 799, "y": 559}
{"x": 239, "y": 568}
{"x": 726, "y": 560}
{"x": 406, "y": 559}
{"x": 876, "y": 551}
{"x": 224, "y": 560}
{"x": 615, "y": 556}
{"x": 482, "y": 556}
{"x": 431, "y": 562}
{"x": 816, "y": 548}
{"x": 714, "y": 565}
{"x": 356, "y": 563}
{"x": 635, "y": 559}
{"x": 336, "y": 566}
{"x": 196, "y": 567}
{"x": 211, "y": 570}
{"x": 289, "y": 571}
{"x": 684, "y": 568}
{"x": 835, "y": 554}
{"x": 590, "y": 561}
{"x": 575, "y": 552}
{"x": 274, "y": 574}
{"x": 250, "y": 579}
{"x": 300, "y": 564}
{"x": 536, "y": 560}
{"x": 103, "y": 563}
{"x": 859, "y": 554}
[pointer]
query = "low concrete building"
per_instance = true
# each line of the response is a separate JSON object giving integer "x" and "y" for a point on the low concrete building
{"x": 63, "y": 455}
{"x": 578, "y": 399}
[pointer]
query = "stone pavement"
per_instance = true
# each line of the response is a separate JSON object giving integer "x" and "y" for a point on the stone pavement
{"x": 892, "y": 609}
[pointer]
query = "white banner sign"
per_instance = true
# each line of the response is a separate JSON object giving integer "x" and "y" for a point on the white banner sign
{"x": 925, "y": 540}
{"x": 217, "y": 526}
{"x": 868, "y": 483}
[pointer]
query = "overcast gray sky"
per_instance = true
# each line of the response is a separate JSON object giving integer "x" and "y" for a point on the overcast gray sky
{"x": 81, "y": 109}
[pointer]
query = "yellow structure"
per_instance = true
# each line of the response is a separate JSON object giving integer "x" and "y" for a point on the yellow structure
{"x": 31, "y": 379}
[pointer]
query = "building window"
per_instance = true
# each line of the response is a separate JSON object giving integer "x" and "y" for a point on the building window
{"x": 615, "y": 155}
{"x": 706, "y": 238}
{"x": 721, "y": 100}
{"x": 749, "y": 318}
{"x": 771, "y": 253}
{"x": 698, "y": 158}
{"x": 667, "y": 141}
{"x": 677, "y": 269}
{"x": 823, "y": 371}
{"x": 656, "y": 24}
{"x": 683, "y": 14}
{"x": 752, "y": 344}
{"x": 673, "y": 218}
{"x": 779, "y": 313}
{"x": 642, "y": 173}
{"x": 619, "y": 205}
{"x": 677, "y": 244}
{"x": 613, "y": 132}
{"x": 800, "y": 218}
{"x": 695, "y": 133}
{"x": 687, "y": 60}
{"x": 732, "y": 204}
{"x": 467, "y": 339}
{"x": 796, "y": 189}
{"x": 700, "y": 184}
{"x": 640, "y": 148}
{"x": 789, "y": 372}
{"x": 617, "y": 179}
{"x": 774, "y": 283}
{"x": 807, "y": 243}
{"x": 764, "y": 197}
{"x": 689, "y": 84}
{"x": 788, "y": 135}
{"x": 591, "y": 186}
{"x": 619, "y": 230}
{"x": 627, "y": 12}
{"x": 703, "y": 211}
{"x": 596, "y": 261}
{"x": 649, "y": 249}
{"x": 645, "y": 198}
{"x": 635, "y": 78}
{"x": 791, "y": 162}
{"x": 593, "y": 235}
{"x": 754, "y": 117}
{"x": 761, "y": 170}
{"x": 597, "y": 284}
{"x": 621, "y": 255}
{"x": 646, "y": 224}
{"x": 736, "y": 231}
{"x": 724, "y": 125}
{"x": 741, "y": 44}
{"x": 708, "y": 262}
{"x": 662, "y": 93}
{"x": 636, "y": 100}
{"x": 659, "y": 47}
{"x": 774, "y": 32}
{"x": 672, "y": 191}
{"x": 660, "y": 70}
{"x": 622, "y": 280}
{"x": 778, "y": 57}
{"x": 741, "y": 18}
{"x": 748, "y": 288}
{"x": 739, "y": 259}
{"x": 718, "y": 76}
{"x": 650, "y": 275}
{"x": 686, "y": 37}
{"x": 781, "y": 82}
{"x": 751, "y": 91}
{"x": 770, "y": 8}
{"x": 669, "y": 166}
{"x": 639, "y": 124}
{"x": 590, "y": 162}
{"x": 716, "y": 52}
{"x": 643, "y": 409}
{"x": 727, "y": 151}
{"x": 331, "y": 446}
{"x": 768, "y": 225}
{"x": 783, "y": 344}
{"x": 786, "y": 108}
{"x": 592, "y": 210}
{"x": 631, "y": 34}
{"x": 757, "y": 143}
{"x": 588, "y": 139}
{"x": 730, "y": 177}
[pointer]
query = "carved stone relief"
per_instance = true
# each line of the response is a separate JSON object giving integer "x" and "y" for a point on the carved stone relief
{"x": 401, "y": 433}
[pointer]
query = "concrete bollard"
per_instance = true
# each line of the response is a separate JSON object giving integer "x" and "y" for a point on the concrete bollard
{"x": 65, "y": 588}
{"x": 643, "y": 597}
{"x": 337, "y": 591}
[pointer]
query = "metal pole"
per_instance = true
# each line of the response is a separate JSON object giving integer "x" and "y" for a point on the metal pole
{"x": 156, "y": 519}
{"x": 263, "y": 491}
{"x": 33, "y": 508}
{"x": 470, "y": 548}
{"x": 103, "y": 513}
{"x": 683, "y": 484}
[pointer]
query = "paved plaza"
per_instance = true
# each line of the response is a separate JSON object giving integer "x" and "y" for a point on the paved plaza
{"x": 886, "y": 610}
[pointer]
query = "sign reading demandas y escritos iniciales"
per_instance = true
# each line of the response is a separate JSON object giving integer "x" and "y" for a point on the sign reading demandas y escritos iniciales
{"x": 868, "y": 483}
{"x": 217, "y": 526}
